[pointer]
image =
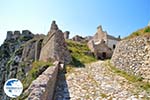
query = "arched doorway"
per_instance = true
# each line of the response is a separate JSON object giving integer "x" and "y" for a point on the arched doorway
{"x": 104, "y": 55}
{"x": 114, "y": 46}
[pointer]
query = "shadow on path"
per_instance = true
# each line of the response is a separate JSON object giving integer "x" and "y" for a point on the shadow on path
{"x": 77, "y": 63}
{"x": 61, "y": 91}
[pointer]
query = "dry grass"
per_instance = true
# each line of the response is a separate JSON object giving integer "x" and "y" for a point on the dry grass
{"x": 141, "y": 32}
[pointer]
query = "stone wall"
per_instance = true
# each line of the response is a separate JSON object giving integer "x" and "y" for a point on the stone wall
{"x": 43, "y": 87}
{"x": 32, "y": 48}
{"x": 16, "y": 34}
{"x": 112, "y": 43}
{"x": 100, "y": 49}
{"x": 10, "y": 59}
{"x": 133, "y": 56}
{"x": 66, "y": 35}
{"x": 100, "y": 34}
{"x": 54, "y": 46}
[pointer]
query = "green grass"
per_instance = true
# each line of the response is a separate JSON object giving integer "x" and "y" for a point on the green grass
{"x": 103, "y": 95}
{"x": 37, "y": 69}
{"x": 141, "y": 32}
{"x": 147, "y": 29}
{"x": 136, "y": 80}
{"x": 22, "y": 96}
{"x": 8, "y": 66}
{"x": 129, "y": 77}
{"x": 79, "y": 57}
{"x": 23, "y": 38}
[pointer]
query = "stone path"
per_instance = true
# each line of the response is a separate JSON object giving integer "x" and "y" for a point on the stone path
{"x": 95, "y": 82}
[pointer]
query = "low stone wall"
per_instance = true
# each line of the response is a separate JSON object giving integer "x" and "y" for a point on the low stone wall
{"x": 43, "y": 87}
{"x": 133, "y": 56}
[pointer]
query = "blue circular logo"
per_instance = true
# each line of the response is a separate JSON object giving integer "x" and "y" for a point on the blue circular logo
{"x": 13, "y": 88}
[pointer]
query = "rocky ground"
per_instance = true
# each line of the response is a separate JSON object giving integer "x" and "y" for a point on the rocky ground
{"x": 96, "y": 81}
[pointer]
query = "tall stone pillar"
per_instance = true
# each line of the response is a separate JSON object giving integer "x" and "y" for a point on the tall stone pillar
{"x": 66, "y": 35}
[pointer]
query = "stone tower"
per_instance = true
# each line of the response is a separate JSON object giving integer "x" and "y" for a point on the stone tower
{"x": 9, "y": 35}
{"x": 66, "y": 34}
{"x": 53, "y": 27}
{"x": 54, "y": 47}
{"x": 17, "y": 34}
{"x": 100, "y": 35}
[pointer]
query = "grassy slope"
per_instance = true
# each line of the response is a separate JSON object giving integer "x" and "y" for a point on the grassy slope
{"x": 37, "y": 68}
{"x": 78, "y": 53}
{"x": 141, "y": 32}
{"x": 35, "y": 71}
{"x": 136, "y": 80}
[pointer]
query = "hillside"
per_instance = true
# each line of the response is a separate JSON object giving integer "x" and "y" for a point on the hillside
{"x": 141, "y": 32}
{"x": 25, "y": 56}
{"x": 80, "y": 53}
{"x": 132, "y": 54}
{"x": 55, "y": 66}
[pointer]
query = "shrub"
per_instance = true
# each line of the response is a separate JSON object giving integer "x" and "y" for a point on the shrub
{"x": 147, "y": 29}
{"x": 37, "y": 68}
{"x": 142, "y": 32}
{"x": 79, "y": 57}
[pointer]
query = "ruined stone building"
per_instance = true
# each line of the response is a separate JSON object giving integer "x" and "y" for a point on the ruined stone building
{"x": 16, "y": 34}
{"x": 78, "y": 38}
{"x": 102, "y": 44}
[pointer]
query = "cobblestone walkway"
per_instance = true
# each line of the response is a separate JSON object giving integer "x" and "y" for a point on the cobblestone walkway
{"x": 95, "y": 82}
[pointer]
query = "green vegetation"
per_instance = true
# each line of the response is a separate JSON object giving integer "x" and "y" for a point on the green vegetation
{"x": 8, "y": 65}
{"x": 103, "y": 95}
{"x": 129, "y": 77}
{"x": 37, "y": 68}
{"x": 79, "y": 53}
{"x": 136, "y": 80}
{"x": 147, "y": 29}
{"x": 142, "y": 32}
{"x": 23, "y": 96}
{"x": 23, "y": 38}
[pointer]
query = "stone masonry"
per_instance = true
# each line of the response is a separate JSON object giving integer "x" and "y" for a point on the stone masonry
{"x": 96, "y": 82}
{"x": 54, "y": 46}
{"x": 133, "y": 56}
{"x": 43, "y": 87}
{"x": 66, "y": 35}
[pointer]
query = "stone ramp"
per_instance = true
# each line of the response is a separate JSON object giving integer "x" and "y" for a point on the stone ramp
{"x": 95, "y": 82}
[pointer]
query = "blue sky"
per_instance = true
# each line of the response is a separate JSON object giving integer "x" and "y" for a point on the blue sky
{"x": 117, "y": 17}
